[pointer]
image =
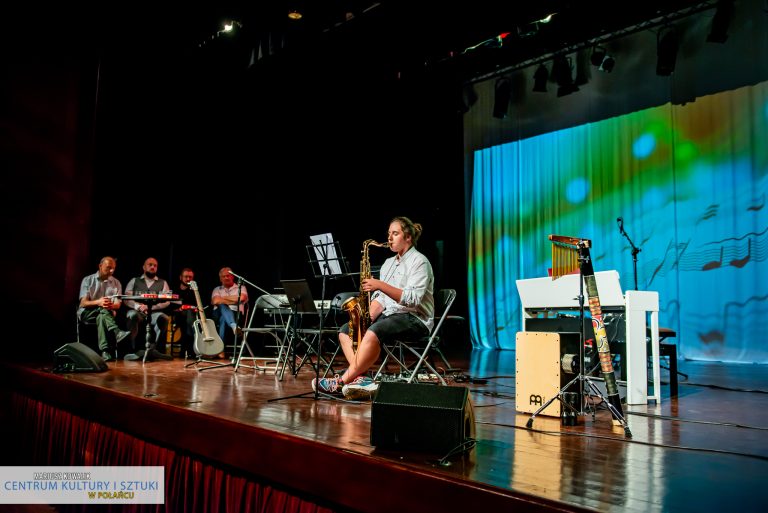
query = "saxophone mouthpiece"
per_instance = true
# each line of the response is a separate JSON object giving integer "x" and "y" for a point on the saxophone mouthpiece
{"x": 371, "y": 242}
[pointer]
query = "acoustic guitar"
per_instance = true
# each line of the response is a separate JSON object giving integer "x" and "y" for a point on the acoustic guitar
{"x": 207, "y": 340}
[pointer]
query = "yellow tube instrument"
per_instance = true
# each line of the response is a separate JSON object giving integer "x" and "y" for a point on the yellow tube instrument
{"x": 358, "y": 307}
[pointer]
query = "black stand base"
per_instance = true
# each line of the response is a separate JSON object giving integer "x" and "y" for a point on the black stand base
{"x": 211, "y": 364}
{"x": 304, "y": 395}
{"x": 584, "y": 380}
{"x": 147, "y": 355}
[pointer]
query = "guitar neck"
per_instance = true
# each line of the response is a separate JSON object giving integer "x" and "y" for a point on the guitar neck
{"x": 200, "y": 309}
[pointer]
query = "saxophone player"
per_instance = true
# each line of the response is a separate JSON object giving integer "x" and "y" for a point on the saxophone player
{"x": 402, "y": 305}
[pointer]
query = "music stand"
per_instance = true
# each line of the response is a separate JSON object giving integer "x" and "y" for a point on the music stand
{"x": 329, "y": 262}
{"x": 300, "y": 299}
{"x": 326, "y": 259}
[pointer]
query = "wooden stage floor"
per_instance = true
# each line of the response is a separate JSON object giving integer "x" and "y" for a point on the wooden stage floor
{"x": 705, "y": 450}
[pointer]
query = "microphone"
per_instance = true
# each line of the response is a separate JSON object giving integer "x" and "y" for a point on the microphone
{"x": 618, "y": 220}
{"x": 248, "y": 282}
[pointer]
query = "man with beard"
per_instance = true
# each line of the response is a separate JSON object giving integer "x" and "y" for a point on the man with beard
{"x": 147, "y": 283}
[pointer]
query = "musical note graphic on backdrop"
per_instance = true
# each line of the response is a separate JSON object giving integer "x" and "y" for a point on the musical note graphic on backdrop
{"x": 712, "y": 336}
{"x": 714, "y": 264}
{"x": 741, "y": 262}
{"x": 734, "y": 312}
{"x": 679, "y": 250}
{"x": 709, "y": 213}
{"x": 759, "y": 206}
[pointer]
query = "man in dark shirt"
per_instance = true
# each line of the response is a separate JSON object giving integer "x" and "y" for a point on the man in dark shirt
{"x": 186, "y": 313}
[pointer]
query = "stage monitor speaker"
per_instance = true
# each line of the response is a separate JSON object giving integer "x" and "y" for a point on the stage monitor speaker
{"x": 425, "y": 418}
{"x": 77, "y": 357}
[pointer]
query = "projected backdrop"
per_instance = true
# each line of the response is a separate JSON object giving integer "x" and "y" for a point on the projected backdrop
{"x": 690, "y": 184}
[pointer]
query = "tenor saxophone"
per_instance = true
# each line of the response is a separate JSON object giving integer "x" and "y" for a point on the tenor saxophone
{"x": 358, "y": 307}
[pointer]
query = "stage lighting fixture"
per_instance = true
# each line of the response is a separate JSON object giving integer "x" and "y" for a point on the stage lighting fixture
{"x": 540, "y": 79}
{"x": 601, "y": 60}
{"x": 229, "y": 27}
{"x": 667, "y": 43}
{"x": 562, "y": 72}
{"x": 598, "y": 55}
{"x": 718, "y": 33}
{"x": 502, "y": 97}
{"x": 608, "y": 64}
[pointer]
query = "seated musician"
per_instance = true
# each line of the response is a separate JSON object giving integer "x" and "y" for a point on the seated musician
{"x": 402, "y": 305}
{"x": 185, "y": 313}
{"x": 138, "y": 312}
{"x": 99, "y": 300}
{"x": 226, "y": 299}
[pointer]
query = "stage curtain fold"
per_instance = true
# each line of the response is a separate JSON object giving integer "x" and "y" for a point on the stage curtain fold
{"x": 50, "y": 436}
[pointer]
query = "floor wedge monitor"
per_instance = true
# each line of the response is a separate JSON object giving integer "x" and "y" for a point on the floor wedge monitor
{"x": 420, "y": 417}
{"x": 77, "y": 357}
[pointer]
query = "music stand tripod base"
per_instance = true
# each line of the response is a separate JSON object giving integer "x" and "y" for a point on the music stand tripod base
{"x": 211, "y": 364}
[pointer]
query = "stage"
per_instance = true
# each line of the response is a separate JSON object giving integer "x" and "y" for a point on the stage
{"x": 225, "y": 442}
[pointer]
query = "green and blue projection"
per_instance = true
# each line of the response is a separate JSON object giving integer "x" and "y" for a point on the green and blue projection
{"x": 689, "y": 183}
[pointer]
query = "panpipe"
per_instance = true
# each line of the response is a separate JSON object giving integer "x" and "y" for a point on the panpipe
{"x": 566, "y": 253}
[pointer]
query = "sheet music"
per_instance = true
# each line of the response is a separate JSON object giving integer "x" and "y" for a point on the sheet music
{"x": 325, "y": 252}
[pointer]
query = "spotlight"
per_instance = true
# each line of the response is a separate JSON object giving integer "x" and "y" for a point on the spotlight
{"x": 540, "y": 79}
{"x": 666, "y": 51}
{"x": 608, "y": 64}
{"x": 719, "y": 31}
{"x": 501, "y": 100}
{"x": 598, "y": 55}
{"x": 467, "y": 98}
{"x": 601, "y": 60}
{"x": 562, "y": 70}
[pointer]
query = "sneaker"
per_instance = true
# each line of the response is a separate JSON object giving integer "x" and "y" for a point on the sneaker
{"x": 361, "y": 388}
{"x": 107, "y": 356}
{"x": 362, "y": 380}
{"x": 121, "y": 335}
{"x": 328, "y": 385}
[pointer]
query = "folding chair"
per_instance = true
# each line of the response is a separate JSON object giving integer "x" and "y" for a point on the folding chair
{"x": 403, "y": 350}
{"x": 441, "y": 300}
{"x": 270, "y": 304}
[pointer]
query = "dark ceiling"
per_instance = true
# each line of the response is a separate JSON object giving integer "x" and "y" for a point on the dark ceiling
{"x": 414, "y": 36}
{"x": 423, "y": 35}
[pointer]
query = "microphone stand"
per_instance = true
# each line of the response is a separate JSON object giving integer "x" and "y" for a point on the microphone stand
{"x": 240, "y": 280}
{"x": 250, "y": 283}
{"x": 635, "y": 249}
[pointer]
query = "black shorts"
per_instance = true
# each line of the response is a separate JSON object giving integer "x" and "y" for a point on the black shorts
{"x": 401, "y": 326}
